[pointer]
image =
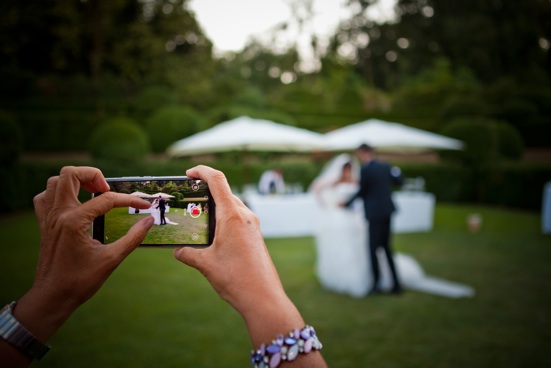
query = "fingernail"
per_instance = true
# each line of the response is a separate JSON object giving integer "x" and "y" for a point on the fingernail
{"x": 148, "y": 221}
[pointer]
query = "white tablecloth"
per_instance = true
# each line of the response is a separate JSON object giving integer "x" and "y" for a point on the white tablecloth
{"x": 294, "y": 215}
{"x": 414, "y": 212}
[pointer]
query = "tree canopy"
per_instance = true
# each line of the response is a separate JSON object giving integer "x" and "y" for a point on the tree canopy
{"x": 69, "y": 65}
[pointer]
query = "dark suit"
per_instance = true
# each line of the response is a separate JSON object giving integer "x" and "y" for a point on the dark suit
{"x": 376, "y": 180}
{"x": 162, "y": 209}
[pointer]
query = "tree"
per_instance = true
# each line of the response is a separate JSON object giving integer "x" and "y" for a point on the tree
{"x": 493, "y": 38}
{"x": 156, "y": 40}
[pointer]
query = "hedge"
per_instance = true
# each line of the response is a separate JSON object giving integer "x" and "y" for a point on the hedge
{"x": 517, "y": 185}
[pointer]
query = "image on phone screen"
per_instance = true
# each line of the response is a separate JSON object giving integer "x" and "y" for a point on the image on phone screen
{"x": 182, "y": 208}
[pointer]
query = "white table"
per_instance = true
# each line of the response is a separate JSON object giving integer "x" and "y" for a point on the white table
{"x": 284, "y": 216}
{"x": 414, "y": 212}
{"x": 294, "y": 215}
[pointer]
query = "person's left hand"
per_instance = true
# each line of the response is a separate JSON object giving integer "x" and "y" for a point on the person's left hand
{"x": 72, "y": 266}
{"x": 71, "y": 263}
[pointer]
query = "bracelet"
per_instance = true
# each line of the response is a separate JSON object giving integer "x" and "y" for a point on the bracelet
{"x": 15, "y": 334}
{"x": 286, "y": 348}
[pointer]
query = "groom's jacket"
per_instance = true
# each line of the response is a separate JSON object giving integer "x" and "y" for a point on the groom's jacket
{"x": 376, "y": 181}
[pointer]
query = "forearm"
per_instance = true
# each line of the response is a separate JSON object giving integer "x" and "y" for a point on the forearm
{"x": 266, "y": 321}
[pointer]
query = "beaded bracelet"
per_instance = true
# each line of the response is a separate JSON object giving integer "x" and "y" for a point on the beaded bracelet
{"x": 286, "y": 348}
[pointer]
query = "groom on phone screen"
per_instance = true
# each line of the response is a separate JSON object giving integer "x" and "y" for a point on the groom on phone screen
{"x": 376, "y": 181}
{"x": 162, "y": 208}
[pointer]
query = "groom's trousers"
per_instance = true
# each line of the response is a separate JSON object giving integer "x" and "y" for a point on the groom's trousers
{"x": 379, "y": 237}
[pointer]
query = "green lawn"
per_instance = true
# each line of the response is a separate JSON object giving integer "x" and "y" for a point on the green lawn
{"x": 118, "y": 221}
{"x": 156, "y": 312}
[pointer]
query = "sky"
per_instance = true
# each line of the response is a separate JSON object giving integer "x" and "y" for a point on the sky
{"x": 230, "y": 23}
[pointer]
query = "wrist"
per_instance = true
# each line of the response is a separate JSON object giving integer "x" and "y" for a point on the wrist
{"x": 288, "y": 348}
{"x": 269, "y": 317}
{"x": 15, "y": 334}
{"x": 43, "y": 314}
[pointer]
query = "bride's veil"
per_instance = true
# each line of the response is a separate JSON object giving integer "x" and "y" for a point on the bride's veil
{"x": 332, "y": 170}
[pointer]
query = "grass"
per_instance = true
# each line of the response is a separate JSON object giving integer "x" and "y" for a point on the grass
{"x": 118, "y": 221}
{"x": 155, "y": 312}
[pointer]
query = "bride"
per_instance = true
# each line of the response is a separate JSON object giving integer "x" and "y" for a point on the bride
{"x": 156, "y": 213}
{"x": 343, "y": 264}
{"x": 342, "y": 257}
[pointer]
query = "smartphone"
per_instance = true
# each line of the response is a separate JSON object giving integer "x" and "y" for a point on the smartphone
{"x": 183, "y": 209}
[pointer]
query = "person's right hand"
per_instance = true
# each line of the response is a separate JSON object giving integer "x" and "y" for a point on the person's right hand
{"x": 238, "y": 265}
{"x": 239, "y": 268}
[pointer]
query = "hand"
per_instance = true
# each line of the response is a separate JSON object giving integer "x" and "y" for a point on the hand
{"x": 239, "y": 268}
{"x": 238, "y": 265}
{"x": 71, "y": 265}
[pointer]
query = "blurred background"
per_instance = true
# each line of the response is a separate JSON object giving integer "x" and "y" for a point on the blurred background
{"x": 118, "y": 82}
{"x": 112, "y": 84}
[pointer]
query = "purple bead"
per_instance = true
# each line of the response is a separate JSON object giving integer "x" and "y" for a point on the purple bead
{"x": 262, "y": 349}
{"x": 296, "y": 334}
{"x": 257, "y": 358}
{"x": 305, "y": 334}
{"x": 290, "y": 341}
{"x": 275, "y": 360}
{"x": 308, "y": 345}
{"x": 272, "y": 349}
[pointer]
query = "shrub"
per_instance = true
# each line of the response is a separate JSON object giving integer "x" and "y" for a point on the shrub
{"x": 448, "y": 182}
{"x": 485, "y": 141}
{"x": 514, "y": 184}
{"x": 465, "y": 106}
{"x": 171, "y": 123}
{"x": 11, "y": 138}
{"x": 56, "y": 128}
{"x": 151, "y": 99}
{"x": 511, "y": 145}
{"x": 119, "y": 138}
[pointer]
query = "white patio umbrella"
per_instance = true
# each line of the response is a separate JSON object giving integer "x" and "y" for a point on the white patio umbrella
{"x": 248, "y": 134}
{"x": 141, "y": 194}
{"x": 387, "y": 136}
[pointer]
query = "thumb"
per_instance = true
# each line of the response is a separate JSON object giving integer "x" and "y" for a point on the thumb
{"x": 133, "y": 237}
{"x": 189, "y": 256}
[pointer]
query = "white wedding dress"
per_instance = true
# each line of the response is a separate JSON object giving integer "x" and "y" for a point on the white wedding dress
{"x": 342, "y": 257}
{"x": 343, "y": 263}
{"x": 156, "y": 213}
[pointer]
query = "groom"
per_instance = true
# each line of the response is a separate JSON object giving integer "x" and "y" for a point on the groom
{"x": 376, "y": 180}
{"x": 162, "y": 208}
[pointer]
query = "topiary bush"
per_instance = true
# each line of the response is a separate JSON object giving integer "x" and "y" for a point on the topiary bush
{"x": 119, "y": 138}
{"x": 171, "y": 123}
{"x": 149, "y": 99}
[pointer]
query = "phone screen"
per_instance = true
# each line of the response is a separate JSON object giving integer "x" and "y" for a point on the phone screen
{"x": 182, "y": 208}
